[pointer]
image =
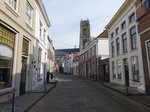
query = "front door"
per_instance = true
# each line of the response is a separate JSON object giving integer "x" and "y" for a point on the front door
{"x": 126, "y": 71}
{"x": 23, "y": 76}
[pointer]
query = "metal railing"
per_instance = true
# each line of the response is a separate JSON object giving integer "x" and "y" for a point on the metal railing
{"x": 11, "y": 96}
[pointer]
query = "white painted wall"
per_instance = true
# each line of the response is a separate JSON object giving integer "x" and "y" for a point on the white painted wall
{"x": 40, "y": 43}
{"x": 125, "y": 17}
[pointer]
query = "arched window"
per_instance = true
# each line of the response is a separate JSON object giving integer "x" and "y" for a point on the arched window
{"x": 7, "y": 40}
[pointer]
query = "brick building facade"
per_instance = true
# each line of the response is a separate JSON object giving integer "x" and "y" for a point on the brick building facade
{"x": 143, "y": 19}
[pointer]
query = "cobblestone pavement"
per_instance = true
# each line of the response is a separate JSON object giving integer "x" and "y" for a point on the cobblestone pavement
{"x": 22, "y": 103}
{"x": 73, "y": 94}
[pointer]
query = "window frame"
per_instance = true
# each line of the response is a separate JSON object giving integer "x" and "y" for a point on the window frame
{"x": 119, "y": 75}
{"x": 131, "y": 19}
{"x": 123, "y": 25}
{"x": 133, "y": 65}
{"x": 124, "y": 46}
{"x": 148, "y": 54}
{"x": 13, "y": 4}
{"x": 118, "y": 46}
{"x": 29, "y": 13}
{"x": 113, "y": 49}
{"x": 133, "y": 38}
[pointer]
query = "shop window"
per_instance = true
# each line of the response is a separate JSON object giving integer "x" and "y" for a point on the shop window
{"x": 7, "y": 40}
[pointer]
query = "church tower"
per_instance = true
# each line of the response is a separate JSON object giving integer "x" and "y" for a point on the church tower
{"x": 84, "y": 33}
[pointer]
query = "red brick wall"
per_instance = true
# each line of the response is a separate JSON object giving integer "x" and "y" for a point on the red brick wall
{"x": 143, "y": 19}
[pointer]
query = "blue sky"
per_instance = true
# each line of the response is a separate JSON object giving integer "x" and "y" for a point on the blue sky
{"x": 65, "y": 17}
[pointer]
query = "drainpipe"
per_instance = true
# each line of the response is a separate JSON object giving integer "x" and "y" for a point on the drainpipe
{"x": 97, "y": 58}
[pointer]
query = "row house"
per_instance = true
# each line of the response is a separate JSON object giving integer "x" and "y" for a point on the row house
{"x": 19, "y": 32}
{"x": 76, "y": 65}
{"x": 68, "y": 63}
{"x": 88, "y": 57}
{"x": 50, "y": 56}
{"x": 143, "y": 19}
{"x": 42, "y": 24}
{"x": 126, "y": 65}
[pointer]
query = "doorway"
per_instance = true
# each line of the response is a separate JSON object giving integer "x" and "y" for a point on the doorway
{"x": 126, "y": 72}
{"x": 23, "y": 76}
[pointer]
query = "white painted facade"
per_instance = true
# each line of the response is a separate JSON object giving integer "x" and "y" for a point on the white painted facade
{"x": 68, "y": 64}
{"x": 116, "y": 22}
{"x": 40, "y": 51}
{"x": 51, "y": 56}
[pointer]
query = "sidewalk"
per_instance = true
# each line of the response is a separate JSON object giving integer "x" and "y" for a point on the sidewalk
{"x": 132, "y": 93}
{"x": 23, "y": 103}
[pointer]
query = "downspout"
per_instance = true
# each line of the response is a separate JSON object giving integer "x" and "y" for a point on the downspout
{"x": 97, "y": 59}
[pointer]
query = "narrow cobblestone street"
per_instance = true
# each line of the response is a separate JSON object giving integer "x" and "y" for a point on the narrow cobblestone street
{"x": 73, "y": 94}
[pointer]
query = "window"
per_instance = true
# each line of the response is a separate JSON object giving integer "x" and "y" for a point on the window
{"x": 146, "y": 4}
{"x": 112, "y": 49}
{"x": 123, "y": 25}
{"x": 148, "y": 49}
{"x": 118, "y": 46}
{"x": 117, "y": 31}
{"x": 84, "y": 41}
{"x": 84, "y": 31}
{"x": 39, "y": 62}
{"x": 124, "y": 43}
{"x": 29, "y": 13}
{"x": 113, "y": 69}
{"x": 93, "y": 51}
{"x": 7, "y": 41}
{"x": 41, "y": 25}
{"x": 132, "y": 18}
{"x": 12, "y": 3}
{"x": 89, "y": 53}
{"x": 25, "y": 47}
{"x": 135, "y": 68}
{"x": 133, "y": 38}
{"x": 112, "y": 35}
{"x": 119, "y": 69}
{"x": 44, "y": 36}
{"x": 7, "y": 37}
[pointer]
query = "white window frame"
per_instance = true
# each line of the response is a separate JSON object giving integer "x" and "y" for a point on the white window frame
{"x": 148, "y": 60}
{"x": 29, "y": 22}
{"x": 13, "y": 7}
